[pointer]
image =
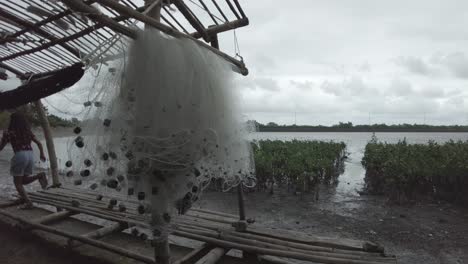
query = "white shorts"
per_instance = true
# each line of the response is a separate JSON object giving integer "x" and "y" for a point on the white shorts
{"x": 22, "y": 163}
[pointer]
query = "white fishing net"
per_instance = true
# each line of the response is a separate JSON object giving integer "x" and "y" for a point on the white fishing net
{"x": 160, "y": 127}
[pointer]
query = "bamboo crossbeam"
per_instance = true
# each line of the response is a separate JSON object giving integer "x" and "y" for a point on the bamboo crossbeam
{"x": 101, "y": 232}
{"x": 196, "y": 24}
{"x": 92, "y": 242}
{"x": 50, "y": 218}
{"x": 102, "y": 214}
{"x": 124, "y": 10}
{"x": 10, "y": 203}
{"x": 213, "y": 212}
{"x": 30, "y": 25}
{"x": 223, "y": 27}
{"x": 213, "y": 256}
{"x": 194, "y": 255}
{"x": 273, "y": 260}
{"x": 12, "y": 69}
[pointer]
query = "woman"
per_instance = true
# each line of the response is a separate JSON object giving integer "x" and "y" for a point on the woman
{"x": 19, "y": 135}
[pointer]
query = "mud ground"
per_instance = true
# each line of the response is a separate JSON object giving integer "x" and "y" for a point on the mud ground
{"x": 417, "y": 233}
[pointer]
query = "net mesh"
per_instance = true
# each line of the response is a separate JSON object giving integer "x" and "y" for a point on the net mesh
{"x": 159, "y": 127}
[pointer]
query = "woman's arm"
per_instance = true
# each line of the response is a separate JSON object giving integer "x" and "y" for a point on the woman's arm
{"x": 39, "y": 146}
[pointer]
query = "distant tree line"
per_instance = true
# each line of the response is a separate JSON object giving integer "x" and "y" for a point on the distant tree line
{"x": 350, "y": 127}
{"x": 32, "y": 116}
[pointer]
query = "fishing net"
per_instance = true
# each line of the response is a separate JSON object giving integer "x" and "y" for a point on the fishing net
{"x": 159, "y": 127}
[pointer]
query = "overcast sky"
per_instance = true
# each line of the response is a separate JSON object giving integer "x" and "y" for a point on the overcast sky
{"x": 321, "y": 62}
{"x": 339, "y": 60}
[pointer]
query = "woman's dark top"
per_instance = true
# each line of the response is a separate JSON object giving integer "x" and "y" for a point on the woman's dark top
{"x": 19, "y": 141}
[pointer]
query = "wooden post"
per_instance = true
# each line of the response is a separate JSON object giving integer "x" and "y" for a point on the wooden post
{"x": 240, "y": 198}
{"x": 49, "y": 142}
{"x": 214, "y": 41}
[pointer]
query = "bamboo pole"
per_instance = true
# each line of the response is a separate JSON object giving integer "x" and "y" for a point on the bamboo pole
{"x": 92, "y": 242}
{"x": 275, "y": 252}
{"x": 213, "y": 212}
{"x": 311, "y": 241}
{"x": 99, "y": 233}
{"x": 213, "y": 256}
{"x": 49, "y": 142}
{"x": 50, "y": 218}
{"x": 266, "y": 245}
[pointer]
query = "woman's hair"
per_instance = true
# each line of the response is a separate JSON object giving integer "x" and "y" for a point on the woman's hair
{"x": 19, "y": 123}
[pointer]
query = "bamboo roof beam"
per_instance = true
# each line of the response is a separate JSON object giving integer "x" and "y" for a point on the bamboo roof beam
{"x": 239, "y": 7}
{"x": 99, "y": 18}
{"x": 220, "y": 10}
{"x": 38, "y": 24}
{"x": 41, "y": 32}
{"x": 11, "y": 69}
{"x": 196, "y": 24}
{"x": 77, "y": 35}
{"x": 208, "y": 11}
{"x": 127, "y": 11}
{"x": 173, "y": 18}
{"x": 233, "y": 9}
{"x": 224, "y": 27}
{"x": 50, "y": 44}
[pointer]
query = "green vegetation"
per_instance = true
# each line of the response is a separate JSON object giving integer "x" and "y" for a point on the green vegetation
{"x": 28, "y": 110}
{"x": 303, "y": 164}
{"x": 413, "y": 171}
{"x": 350, "y": 127}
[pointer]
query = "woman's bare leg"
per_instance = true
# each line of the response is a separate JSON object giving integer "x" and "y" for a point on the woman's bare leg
{"x": 18, "y": 180}
{"x": 29, "y": 179}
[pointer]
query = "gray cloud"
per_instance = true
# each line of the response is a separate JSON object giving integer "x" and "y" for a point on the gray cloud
{"x": 302, "y": 85}
{"x": 457, "y": 63}
{"x": 413, "y": 65}
{"x": 400, "y": 87}
{"x": 260, "y": 83}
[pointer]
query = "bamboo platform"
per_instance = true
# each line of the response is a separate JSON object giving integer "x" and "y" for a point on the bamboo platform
{"x": 200, "y": 236}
